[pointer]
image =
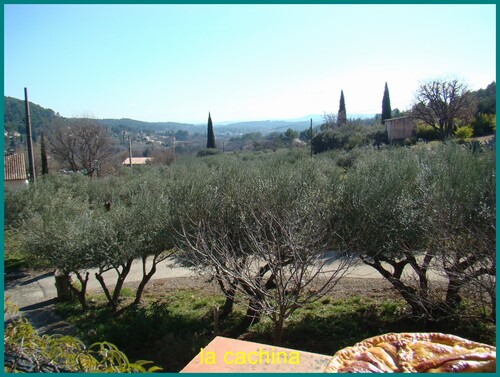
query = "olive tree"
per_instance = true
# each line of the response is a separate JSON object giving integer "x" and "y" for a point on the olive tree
{"x": 77, "y": 225}
{"x": 133, "y": 228}
{"x": 408, "y": 213}
{"x": 60, "y": 235}
{"x": 460, "y": 194}
{"x": 265, "y": 236}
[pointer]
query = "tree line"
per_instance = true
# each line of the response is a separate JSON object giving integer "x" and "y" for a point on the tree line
{"x": 441, "y": 109}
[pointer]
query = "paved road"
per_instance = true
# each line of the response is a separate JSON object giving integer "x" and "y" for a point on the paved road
{"x": 35, "y": 293}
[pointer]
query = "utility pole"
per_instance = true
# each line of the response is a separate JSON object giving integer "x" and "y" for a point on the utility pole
{"x": 311, "y": 137}
{"x": 31, "y": 160}
{"x": 129, "y": 151}
{"x": 172, "y": 142}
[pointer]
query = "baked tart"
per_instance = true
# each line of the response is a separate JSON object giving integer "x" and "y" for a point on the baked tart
{"x": 414, "y": 352}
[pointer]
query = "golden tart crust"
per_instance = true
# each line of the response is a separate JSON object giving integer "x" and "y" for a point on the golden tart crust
{"x": 414, "y": 352}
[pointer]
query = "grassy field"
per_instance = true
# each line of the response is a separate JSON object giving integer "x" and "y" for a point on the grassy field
{"x": 173, "y": 324}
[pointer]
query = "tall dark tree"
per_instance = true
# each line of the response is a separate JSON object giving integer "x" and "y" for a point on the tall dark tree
{"x": 386, "y": 105}
{"x": 210, "y": 134}
{"x": 342, "y": 114}
{"x": 43, "y": 151}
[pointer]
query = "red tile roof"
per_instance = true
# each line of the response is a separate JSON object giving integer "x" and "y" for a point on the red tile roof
{"x": 14, "y": 167}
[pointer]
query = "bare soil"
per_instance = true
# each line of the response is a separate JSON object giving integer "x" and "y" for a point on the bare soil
{"x": 346, "y": 288}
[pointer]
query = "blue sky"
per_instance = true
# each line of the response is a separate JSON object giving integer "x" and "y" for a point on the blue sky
{"x": 240, "y": 62}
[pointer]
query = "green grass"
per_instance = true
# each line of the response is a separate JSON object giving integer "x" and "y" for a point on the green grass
{"x": 170, "y": 329}
{"x": 14, "y": 262}
{"x": 14, "y": 259}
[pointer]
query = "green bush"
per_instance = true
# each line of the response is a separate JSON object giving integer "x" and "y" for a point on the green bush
{"x": 207, "y": 152}
{"x": 426, "y": 132}
{"x": 349, "y": 137}
{"x": 26, "y": 351}
{"x": 464, "y": 132}
{"x": 484, "y": 124}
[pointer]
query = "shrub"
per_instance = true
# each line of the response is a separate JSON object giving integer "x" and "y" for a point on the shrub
{"x": 464, "y": 132}
{"x": 484, "y": 124}
{"x": 426, "y": 132}
{"x": 207, "y": 152}
{"x": 26, "y": 351}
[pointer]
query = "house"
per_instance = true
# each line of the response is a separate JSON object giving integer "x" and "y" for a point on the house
{"x": 137, "y": 160}
{"x": 399, "y": 128}
{"x": 14, "y": 170}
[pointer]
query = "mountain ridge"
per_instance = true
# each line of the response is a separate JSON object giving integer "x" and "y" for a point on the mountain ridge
{"x": 41, "y": 118}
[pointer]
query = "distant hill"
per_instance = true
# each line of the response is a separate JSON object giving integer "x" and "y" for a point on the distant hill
{"x": 263, "y": 126}
{"x": 15, "y": 116}
{"x": 14, "y": 119}
{"x": 137, "y": 125}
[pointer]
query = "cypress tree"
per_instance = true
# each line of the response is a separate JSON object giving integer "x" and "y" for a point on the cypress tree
{"x": 210, "y": 134}
{"x": 342, "y": 114}
{"x": 43, "y": 151}
{"x": 386, "y": 105}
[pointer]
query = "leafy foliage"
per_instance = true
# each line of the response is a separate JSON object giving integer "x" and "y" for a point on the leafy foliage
{"x": 486, "y": 99}
{"x": 484, "y": 124}
{"x": 464, "y": 132}
{"x": 426, "y": 132}
{"x": 349, "y": 137}
{"x": 409, "y": 208}
{"x": 26, "y": 351}
{"x": 405, "y": 207}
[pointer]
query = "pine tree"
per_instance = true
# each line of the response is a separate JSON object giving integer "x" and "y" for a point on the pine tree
{"x": 342, "y": 114}
{"x": 210, "y": 134}
{"x": 43, "y": 151}
{"x": 386, "y": 105}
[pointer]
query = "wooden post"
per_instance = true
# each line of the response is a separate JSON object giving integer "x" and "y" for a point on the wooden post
{"x": 216, "y": 320}
{"x": 129, "y": 151}
{"x": 172, "y": 141}
{"x": 31, "y": 160}
{"x": 311, "y": 137}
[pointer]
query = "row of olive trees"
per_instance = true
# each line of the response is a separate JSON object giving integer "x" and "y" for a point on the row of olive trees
{"x": 405, "y": 212}
{"x": 261, "y": 227}
{"x": 73, "y": 224}
{"x": 261, "y": 231}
